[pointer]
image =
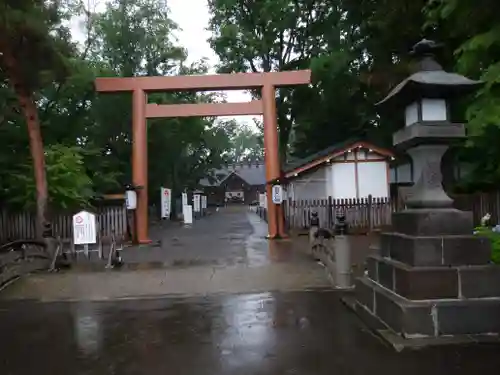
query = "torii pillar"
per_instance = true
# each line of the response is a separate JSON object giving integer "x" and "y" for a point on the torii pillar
{"x": 141, "y": 111}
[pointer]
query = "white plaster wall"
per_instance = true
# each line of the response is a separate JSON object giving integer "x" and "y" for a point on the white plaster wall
{"x": 310, "y": 185}
{"x": 361, "y": 154}
{"x": 351, "y": 155}
{"x": 343, "y": 180}
{"x": 392, "y": 175}
{"x": 372, "y": 179}
{"x": 373, "y": 155}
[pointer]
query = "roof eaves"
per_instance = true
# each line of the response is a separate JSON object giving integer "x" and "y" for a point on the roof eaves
{"x": 332, "y": 152}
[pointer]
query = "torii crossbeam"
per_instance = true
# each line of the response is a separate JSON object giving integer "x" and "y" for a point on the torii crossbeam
{"x": 141, "y": 111}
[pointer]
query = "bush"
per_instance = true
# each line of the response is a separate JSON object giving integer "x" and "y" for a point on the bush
{"x": 494, "y": 237}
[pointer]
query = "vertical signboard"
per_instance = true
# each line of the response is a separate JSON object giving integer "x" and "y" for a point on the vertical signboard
{"x": 84, "y": 228}
{"x": 130, "y": 200}
{"x": 277, "y": 194}
{"x": 188, "y": 214}
{"x": 196, "y": 203}
{"x": 262, "y": 200}
{"x": 166, "y": 203}
{"x": 203, "y": 202}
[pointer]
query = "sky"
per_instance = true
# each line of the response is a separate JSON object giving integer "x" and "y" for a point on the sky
{"x": 192, "y": 16}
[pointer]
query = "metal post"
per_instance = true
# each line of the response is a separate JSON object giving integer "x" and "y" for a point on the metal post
{"x": 112, "y": 248}
{"x": 55, "y": 255}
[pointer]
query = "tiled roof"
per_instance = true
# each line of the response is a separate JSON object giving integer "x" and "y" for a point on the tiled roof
{"x": 252, "y": 174}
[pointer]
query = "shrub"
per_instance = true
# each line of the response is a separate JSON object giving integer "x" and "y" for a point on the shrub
{"x": 494, "y": 237}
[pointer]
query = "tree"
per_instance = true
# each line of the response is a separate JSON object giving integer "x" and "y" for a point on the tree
{"x": 68, "y": 183}
{"x": 134, "y": 38}
{"x": 245, "y": 144}
{"x": 33, "y": 46}
{"x": 477, "y": 52}
{"x": 270, "y": 35}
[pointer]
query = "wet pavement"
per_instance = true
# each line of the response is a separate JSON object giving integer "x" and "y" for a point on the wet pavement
{"x": 232, "y": 236}
{"x": 224, "y": 253}
{"x": 220, "y": 299}
{"x": 303, "y": 333}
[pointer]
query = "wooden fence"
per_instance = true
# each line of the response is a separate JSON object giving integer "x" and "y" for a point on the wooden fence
{"x": 362, "y": 214}
{"x": 15, "y": 226}
{"x": 480, "y": 204}
{"x": 366, "y": 214}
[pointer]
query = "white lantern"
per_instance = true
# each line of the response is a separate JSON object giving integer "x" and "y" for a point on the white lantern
{"x": 426, "y": 110}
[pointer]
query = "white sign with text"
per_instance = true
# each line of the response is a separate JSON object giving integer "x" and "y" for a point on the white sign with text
{"x": 166, "y": 202}
{"x": 188, "y": 214}
{"x": 262, "y": 200}
{"x": 196, "y": 202}
{"x": 84, "y": 228}
{"x": 131, "y": 200}
{"x": 277, "y": 194}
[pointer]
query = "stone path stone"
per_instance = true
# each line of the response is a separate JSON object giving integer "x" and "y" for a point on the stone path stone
{"x": 223, "y": 253}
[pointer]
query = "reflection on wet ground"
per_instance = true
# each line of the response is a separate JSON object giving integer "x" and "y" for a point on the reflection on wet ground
{"x": 268, "y": 333}
{"x": 226, "y": 252}
{"x": 230, "y": 237}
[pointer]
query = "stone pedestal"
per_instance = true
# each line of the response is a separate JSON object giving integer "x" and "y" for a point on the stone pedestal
{"x": 432, "y": 278}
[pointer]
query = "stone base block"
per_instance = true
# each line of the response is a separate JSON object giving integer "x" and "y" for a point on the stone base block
{"x": 452, "y": 250}
{"x": 415, "y": 283}
{"x": 416, "y": 319}
{"x": 430, "y": 283}
{"x": 432, "y": 222}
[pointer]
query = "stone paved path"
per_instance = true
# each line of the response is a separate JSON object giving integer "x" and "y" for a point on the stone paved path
{"x": 214, "y": 299}
{"x": 224, "y": 253}
{"x": 283, "y": 333}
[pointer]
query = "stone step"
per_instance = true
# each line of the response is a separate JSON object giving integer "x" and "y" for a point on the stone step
{"x": 432, "y": 222}
{"x": 430, "y": 283}
{"x": 450, "y": 250}
{"x": 414, "y": 319}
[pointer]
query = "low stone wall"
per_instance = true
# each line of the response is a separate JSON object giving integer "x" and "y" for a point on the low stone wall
{"x": 360, "y": 247}
{"x": 322, "y": 250}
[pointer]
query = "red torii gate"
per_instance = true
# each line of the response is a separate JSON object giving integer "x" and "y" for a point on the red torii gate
{"x": 141, "y": 111}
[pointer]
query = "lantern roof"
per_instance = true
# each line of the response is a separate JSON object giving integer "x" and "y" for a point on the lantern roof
{"x": 429, "y": 79}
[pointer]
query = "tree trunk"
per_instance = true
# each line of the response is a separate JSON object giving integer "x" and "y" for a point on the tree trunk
{"x": 38, "y": 155}
{"x": 27, "y": 103}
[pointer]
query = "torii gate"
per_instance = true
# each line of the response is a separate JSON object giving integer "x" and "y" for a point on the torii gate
{"x": 141, "y": 111}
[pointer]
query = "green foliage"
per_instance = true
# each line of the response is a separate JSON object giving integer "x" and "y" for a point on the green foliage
{"x": 494, "y": 237}
{"x": 472, "y": 31}
{"x": 130, "y": 38}
{"x": 357, "y": 50}
{"x": 244, "y": 143}
{"x": 69, "y": 184}
{"x": 272, "y": 35}
{"x": 33, "y": 38}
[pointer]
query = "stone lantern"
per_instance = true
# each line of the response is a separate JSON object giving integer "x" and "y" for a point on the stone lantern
{"x": 431, "y": 277}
